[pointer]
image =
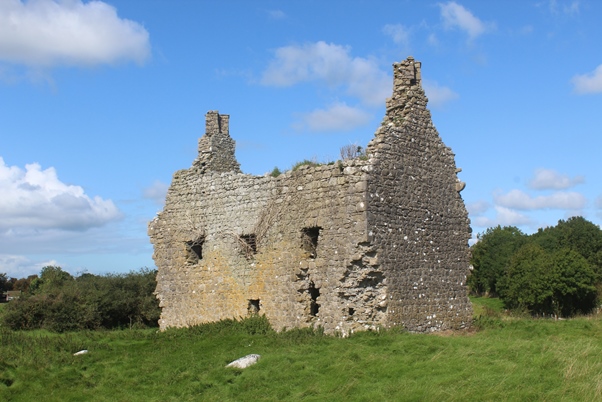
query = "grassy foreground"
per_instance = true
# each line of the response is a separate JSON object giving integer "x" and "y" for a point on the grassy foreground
{"x": 508, "y": 359}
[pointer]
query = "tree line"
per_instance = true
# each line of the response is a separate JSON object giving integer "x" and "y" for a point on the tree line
{"x": 57, "y": 301}
{"x": 555, "y": 271}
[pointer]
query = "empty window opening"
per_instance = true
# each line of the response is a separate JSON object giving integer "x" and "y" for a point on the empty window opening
{"x": 309, "y": 240}
{"x": 249, "y": 244}
{"x": 253, "y": 307}
{"x": 314, "y": 293}
{"x": 195, "y": 249}
{"x": 350, "y": 311}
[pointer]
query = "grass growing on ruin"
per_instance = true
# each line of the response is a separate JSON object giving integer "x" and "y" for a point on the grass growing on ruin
{"x": 522, "y": 359}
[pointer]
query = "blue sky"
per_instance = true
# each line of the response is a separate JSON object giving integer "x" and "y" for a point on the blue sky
{"x": 101, "y": 102}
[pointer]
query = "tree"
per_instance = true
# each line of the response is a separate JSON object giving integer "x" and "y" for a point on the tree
{"x": 491, "y": 256}
{"x": 4, "y": 283}
{"x": 573, "y": 283}
{"x": 560, "y": 283}
{"x": 51, "y": 279}
{"x": 23, "y": 283}
{"x": 576, "y": 234}
{"x": 526, "y": 284}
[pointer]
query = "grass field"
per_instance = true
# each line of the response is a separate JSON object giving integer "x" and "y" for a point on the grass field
{"x": 508, "y": 359}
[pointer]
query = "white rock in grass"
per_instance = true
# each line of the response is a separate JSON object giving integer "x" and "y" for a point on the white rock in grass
{"x": 81, "y": 352}
{"x": 245, "y": 362}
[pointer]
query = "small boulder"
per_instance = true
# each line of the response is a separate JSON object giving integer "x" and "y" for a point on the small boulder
{"x": 81, "y": 352}
{"x": 245, "y": 362}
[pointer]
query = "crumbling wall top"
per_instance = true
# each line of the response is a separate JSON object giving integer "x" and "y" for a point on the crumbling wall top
{"x": 216, "y": 123}
{"x": 407, "y": 91}
{"x": 216, "y": 147}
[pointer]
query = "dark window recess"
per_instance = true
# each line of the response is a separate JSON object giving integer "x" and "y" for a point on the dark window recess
{"x": 314, "y": 293}
{"x": 249, "y": 244}
{"x": 195, "y": 249}
{"x": 309, "y": 240}
{"x": 253, "y": 307}
{"x": 351, "y": 311}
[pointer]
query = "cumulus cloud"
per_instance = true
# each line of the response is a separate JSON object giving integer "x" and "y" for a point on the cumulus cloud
{"x": 548, "y": 179}
{"x": 520, "y": 200}
{"x": 338, "y": 117}
{"x": 156, "y": 192}
{"x": 18, "y": 266}
{"x": 456, "y": 16}
{"x": 398, "y": 33}
{"x": 589, "y": 83}
{"x": 504, "y": 217}
{"x": 36, "y": 199}
{"x": 332, "y": 64}
{"x": 46, "y": 33}
{"x": 478, "y": 207}
{"x": 438, "y": 95}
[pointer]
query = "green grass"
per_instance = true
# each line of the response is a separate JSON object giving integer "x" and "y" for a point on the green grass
{"x": 522, "y": 360}
{"x": 485, "y": 305}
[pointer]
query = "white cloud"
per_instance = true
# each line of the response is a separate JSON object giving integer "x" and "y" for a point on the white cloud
{"x": 548, "y": 179}
{"x": 36, "y": 199}
{"x": 18, "y": 266}
{"x": 478, "y": 207}
{"x": 397, "y": 32}
{"x": 456, "y": 16}
{"x": 599, "y": 202}
{"x": 433, "y": 40}
{"x": 338, "y": 117}
{"x": 589, "y": 83}
{"x": 572, "y": 8}
{"x": 331, "y": 64}
{"x": 156, "y": 192}
{"x": 276, "y": 14}
{"x": 46, "y": 33}
{"x": 569, "y": 8}
{"x": 438, "y": 95}
{"x": 560, "y": 200}
{"x": 504, "y": 217}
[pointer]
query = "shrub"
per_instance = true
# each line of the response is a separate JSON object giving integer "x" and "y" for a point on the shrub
{"x": 305, "y": 162}
{"x": 560, "y": 283}
{"x": 491, "y": 257}
{"x": 275, "y": 172}
{"x": 59, "y": 302}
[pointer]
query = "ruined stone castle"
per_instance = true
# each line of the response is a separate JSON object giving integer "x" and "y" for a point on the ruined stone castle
{"x": 375, "y": 241}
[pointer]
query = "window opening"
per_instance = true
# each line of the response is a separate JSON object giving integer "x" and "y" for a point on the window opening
{"x": 309, "y": 240}
{"x": 195, "y": 249}
{"x": 314, "y": 293}
{"x": 253, "y": 307}
{"x": 249, "y": 244}
{"x": 351, "y": 311}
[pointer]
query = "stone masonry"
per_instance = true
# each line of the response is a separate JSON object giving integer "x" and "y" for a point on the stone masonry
{"x": 370, "y": 242}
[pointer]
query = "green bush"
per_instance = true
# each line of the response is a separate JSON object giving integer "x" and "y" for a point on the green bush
{"x": 560, "y": 283}
{"x": 305, "y": 162}
{"x": 58, "y": 302}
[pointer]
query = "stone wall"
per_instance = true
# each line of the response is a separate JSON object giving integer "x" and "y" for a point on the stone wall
{"x": 416, "y": 214}
{"x": 348, "y": 246}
